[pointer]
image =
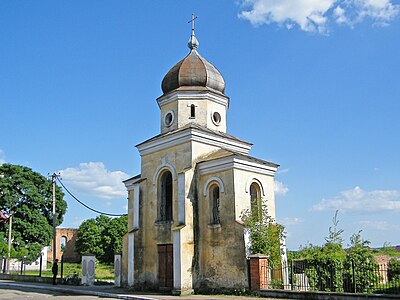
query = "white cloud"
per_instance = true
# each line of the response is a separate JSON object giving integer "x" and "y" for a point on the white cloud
{"x": 77, "y": 222}
{"x": 2, "y": 157}
{"x": 378, "y": 225}
{"x": 315, "y": 15}
{"x": 282, "y": 171}
{"x": 94, "y": 179}
{"x": 363, "y": 201}
{"x": 280, "y": 188}
{"x": 291, "y": 221}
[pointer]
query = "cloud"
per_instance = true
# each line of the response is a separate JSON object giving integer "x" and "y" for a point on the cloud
{"x": 77, "y": 222}
{"x": 358, "y": 200}
{"x": 291, "y": 221}
{"x": 94, "y": 179}
{"x": 2, "y": 157}
{"x": 316, "y": 15}
{"x": 282, "y": 171}
{"x": 280, "y": 188}
{"x": 378, "y": 225}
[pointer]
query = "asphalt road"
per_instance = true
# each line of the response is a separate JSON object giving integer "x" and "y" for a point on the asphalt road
{"x": 25, "y": 293}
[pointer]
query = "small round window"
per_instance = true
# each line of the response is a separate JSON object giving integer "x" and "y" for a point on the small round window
{"x": 169, "y": 118}
{"x": 216, "y": 118}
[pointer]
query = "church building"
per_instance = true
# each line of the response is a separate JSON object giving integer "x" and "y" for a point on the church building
{"x": 185, "y": 231}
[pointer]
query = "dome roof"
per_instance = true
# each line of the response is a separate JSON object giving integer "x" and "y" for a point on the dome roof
{"x": 193, "y": 71}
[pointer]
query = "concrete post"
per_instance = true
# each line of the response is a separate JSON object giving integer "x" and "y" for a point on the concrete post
{"x": 88, "y": 269}
{"x": 117, "y": 269}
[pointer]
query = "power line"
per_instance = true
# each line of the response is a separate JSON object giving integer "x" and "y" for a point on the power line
{"x": 88, "y": 207}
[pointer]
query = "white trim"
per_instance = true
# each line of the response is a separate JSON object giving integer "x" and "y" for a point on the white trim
{"x": 136, "y": 195}
{"x": 194, "y": 135}
{"x": 165, "y": 118}
{"x": 131, "y": 257}
{"x": 181, "y": 199}
{"x": 162, "y": 167}
{"x": 212, "y": 118}
{"x": 193, "y": 95}
{"x": 256, "y": 180}
{"x": 213, "y": 179}
{"x": 230, "y": 162}
{"x": 130, "y": 184}
{"x": 177, "y": 259}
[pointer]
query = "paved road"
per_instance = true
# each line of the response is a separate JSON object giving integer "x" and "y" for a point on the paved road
{"x": 36, "y": 291}
{"x": 25, "y": 293}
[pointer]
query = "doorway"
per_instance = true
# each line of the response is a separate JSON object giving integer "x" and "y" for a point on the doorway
{"x": 165, "y": 266}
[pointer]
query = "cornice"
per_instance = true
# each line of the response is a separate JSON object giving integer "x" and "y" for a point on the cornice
{"x": 193, "y": 95}
{"x": 232, "y": 162}
{"x": 193, "y": 135}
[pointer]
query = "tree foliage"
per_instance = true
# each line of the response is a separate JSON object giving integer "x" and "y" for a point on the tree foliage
{"x": 265, "y": 234}
{"x": 361, "y": 261}
{"x": 332, "y": 268}
{"x": 102, "y": 237}
{"x": 29, "y": 195}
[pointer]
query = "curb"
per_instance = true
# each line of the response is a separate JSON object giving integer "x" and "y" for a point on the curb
{"x": 76, "y": 291}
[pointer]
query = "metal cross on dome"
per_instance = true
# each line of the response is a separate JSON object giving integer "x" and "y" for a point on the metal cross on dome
{"x": 193, "y": 42}
{"x": 192, "y": 20}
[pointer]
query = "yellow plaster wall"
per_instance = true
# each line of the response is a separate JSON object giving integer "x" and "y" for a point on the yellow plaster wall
{"x": 146, "y": 240}
{"x": 242, "y": 181}
{"x": 222, "y": 258}
{"x": 170, "y": 106}
{"x": 203, "y": 115}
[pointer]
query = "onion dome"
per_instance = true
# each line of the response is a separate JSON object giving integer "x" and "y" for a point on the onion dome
{"x": 193, "y": 71}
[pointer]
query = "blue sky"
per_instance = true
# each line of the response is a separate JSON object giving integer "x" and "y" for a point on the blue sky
{"x": 313, "y": 84}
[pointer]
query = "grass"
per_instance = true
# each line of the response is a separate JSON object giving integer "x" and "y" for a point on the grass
{"x": 103, "y": 271}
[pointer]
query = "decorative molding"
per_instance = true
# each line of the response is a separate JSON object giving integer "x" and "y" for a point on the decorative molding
{"x": 181, "y": 199}
{"x": 172, "y": 118}
{"x": 130, "y": 184}
{"x": 195, "y": 135}
{"x": 232, "y": 162}
{"x": 193, "y": 95}
{"x": 131, "y": 260}
{"x": 213, "y": 179}
{"x": 176, "y": 237}
{"x": 164, "y": 165}
{"x": 250, "y": 181}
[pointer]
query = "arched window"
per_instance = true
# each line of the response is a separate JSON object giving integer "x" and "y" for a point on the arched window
{"x": 192, "y": 111}
{"x": 63, "y": 243}
{"x": 255, "y": 200}
{"x": 165, "y": 202}
{"x": 214, "y": 204}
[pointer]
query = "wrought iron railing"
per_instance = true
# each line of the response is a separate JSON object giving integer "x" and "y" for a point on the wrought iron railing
{"x": 301, "y": 275}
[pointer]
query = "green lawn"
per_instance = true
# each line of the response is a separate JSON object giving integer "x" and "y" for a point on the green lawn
{"x": 103, "y": 272}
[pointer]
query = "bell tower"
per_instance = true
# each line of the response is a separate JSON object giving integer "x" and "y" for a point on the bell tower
{"x": 193, "y": 92}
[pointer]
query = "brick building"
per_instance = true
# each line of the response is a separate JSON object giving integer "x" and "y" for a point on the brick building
{"x": 66, "y": 238}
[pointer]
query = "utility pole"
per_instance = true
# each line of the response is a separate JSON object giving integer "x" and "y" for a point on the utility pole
{"x": 54, "y": 178}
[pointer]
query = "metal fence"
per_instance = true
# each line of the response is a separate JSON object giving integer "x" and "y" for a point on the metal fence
{"x": 301, "y": 275}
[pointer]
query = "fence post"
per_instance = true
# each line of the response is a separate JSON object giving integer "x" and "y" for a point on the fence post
{"x": 291, "y": 276}
{"x": 4, "y": 264}
{"x": 22, "y": 264}
{"x": 258, "y": 272}
{"x": 40, "y": 264}
{"x": 62, "y": 267}
{"x": 354, "y": 276}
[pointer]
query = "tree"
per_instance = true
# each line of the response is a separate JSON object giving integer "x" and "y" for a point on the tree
{"x": 265, "y": 234}
{"x": 28, "y": 195}
{"x": 361, "y": 261}
{"x": 102, "y": 237}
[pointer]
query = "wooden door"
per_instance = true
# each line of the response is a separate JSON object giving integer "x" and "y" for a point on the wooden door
{"x": 165, "y": 266}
